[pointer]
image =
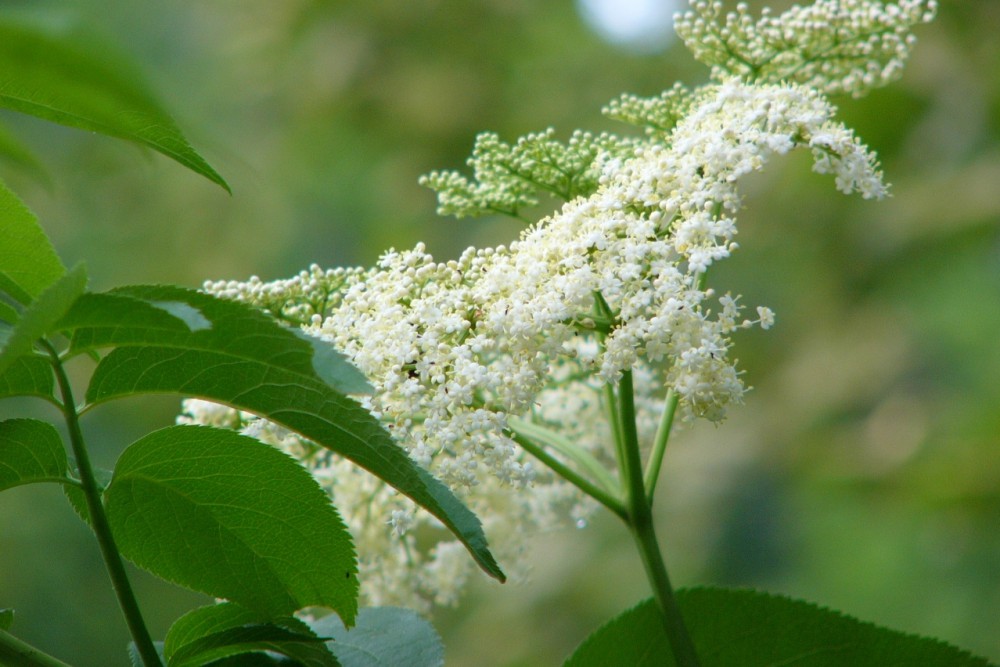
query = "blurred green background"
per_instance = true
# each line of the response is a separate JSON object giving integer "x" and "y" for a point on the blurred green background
{"x": 863, "y": 472}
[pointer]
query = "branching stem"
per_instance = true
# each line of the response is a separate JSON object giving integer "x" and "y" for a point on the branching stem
{"x": 99, "y": 520}
{"x": 640, "y": 524}
{"x": 13, "y": 651}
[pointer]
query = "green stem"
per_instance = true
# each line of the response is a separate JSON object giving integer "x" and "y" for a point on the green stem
{"x": 597, "y": 493}
{"x": 581, "y": 457}
{"x": 99, "y": 521}
{"x": 640, "y": 523}
{"x": 611, "y": 405}
{"x": 660, "y": 444}
{"x": 17, "y": 653}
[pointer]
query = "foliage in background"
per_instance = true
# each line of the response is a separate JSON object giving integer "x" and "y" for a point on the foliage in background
{"x": 901, "y": 340}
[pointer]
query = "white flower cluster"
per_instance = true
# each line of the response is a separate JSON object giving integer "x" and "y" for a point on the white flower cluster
{"x": 834, "y": 46}
{"x": 466, "y": 356}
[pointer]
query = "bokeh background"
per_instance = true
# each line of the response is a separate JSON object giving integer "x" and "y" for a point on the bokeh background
{"x": 863, "y": 473}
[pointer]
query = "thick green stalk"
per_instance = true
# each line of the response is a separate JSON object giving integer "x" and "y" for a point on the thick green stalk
{"x": 99, "y": 521}
{"x": 640, "y": 523}
{"x": 13, "y": 651}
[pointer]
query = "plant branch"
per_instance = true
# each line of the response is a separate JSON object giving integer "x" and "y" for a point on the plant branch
{"x": 640, "y": 523}
{"x": 576, "y": 454}
{"x": 597, "y": 493}
{"x": 99, "y": 521}
{"x": 13, "y": 651}
{"x": 660, "y": 444}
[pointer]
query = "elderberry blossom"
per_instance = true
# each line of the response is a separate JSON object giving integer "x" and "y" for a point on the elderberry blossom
{"x": 471, "y": 356}
{"x": 833, "y": 46}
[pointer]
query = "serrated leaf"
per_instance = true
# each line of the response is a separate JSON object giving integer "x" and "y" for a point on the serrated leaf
{"x": 74, "y": 494}
{"x": 80, "y": 83}
{"x": 229, "y": 516}
{"x": 28, "y": 262}
{"x": 753, "y": 629}
{"x": 6, "y": 618}
{"x": 27, "y": 376}
{"x": 248, "y": 361}
{"x": 222, "y": 630}
{"x": 175, "y": 317}
{"x": 30, "y": 451}
{"x": 41, "y": 316}
{"x": 384, "y": 637}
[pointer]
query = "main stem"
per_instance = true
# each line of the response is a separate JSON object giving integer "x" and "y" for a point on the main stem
{"x": 99, "y": 521}
{"x": 640, "y": 524}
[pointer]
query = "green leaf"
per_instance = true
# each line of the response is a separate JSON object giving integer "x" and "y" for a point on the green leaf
{"x": 227, "y": 515}
{"x": 18, "y": 154}
{"x": 384, "y": 637}
{"x": 30, "y": 451}
{"x": 246, "y": 360}
{"x": 166, "y": 316}
{"x": 40, "y": 318}
{"x": 136, "y": 659}
{"x": 28, "y": 263}
{"x": 27, "y": 376}
{"x": 752, "y": 629}
{"x": 221, "y": 630}
{"x": 8, "y": 315}
{"x": 6, "y": 618}
{"x": 75, "y": 494}
{"x": 73, "y": 81}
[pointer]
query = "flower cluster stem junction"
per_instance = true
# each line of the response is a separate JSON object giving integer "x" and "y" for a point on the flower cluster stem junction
{"x": 640, "y": 524}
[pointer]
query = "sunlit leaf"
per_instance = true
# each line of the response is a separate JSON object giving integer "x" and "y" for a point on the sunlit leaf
{"x": 30, "y": 451}
{"x": 81, "y": 83}
{"x": 246, "y": 360}
{"x": 752, "y": 629}
{"x": 227, "y": 515}
{"x": 222, "y": 630}
{"x": 8, "y": 315}
{"x": 383, "y": 637}
{"x": 28, "y": 263}
{"x": 41, "y": 316}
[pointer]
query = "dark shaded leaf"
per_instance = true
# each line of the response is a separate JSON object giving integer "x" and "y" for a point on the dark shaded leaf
{"x": 752, "y": 629}
{"x": 384, "y": 637}
{"x": 136, "y": 659}
{"x": 27, "y": 376}
{"x": 222, "y": 630}
{"x": 30, "y": 451}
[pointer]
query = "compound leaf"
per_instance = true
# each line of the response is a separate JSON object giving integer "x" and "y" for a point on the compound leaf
{"x": 227, "y": 515}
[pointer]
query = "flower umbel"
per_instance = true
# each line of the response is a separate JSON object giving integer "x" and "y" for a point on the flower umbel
{"x": 474, "y": 357}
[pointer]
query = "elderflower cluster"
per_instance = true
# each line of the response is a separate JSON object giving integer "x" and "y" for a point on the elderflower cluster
{"x": 833, "y": 46}
{"x": 521, "y": 341}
